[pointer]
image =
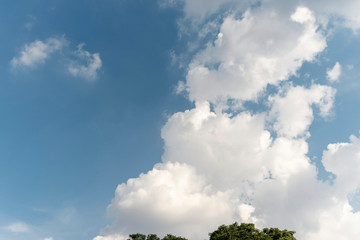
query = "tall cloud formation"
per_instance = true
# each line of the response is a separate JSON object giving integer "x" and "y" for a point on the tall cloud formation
{"x": 224, "y": 166}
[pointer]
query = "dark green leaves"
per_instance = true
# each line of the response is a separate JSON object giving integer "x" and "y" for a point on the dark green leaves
{"x": 247, "y": 231}
{"x": 139, "y": 236}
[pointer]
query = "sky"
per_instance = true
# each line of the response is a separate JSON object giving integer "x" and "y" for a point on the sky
{"x": 177, "y": 116}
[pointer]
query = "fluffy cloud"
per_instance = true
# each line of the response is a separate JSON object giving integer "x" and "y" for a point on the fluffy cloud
{"x": 81, "y": 63}
{"x": 219, "y": 167}
{"x": 232, "y": 170}
{"x": 293, "y": 111}
{"x": 334, "y": 73}
{"x": 343, "y": 159}
{"x": 37, "y": 52}
{"x": 18, "y": 227}
{"x": 339, "y": 222}
{"x": 216, "y": 143}
{"x": 171, "y": 198}
{"x": 87, "y": 64}
{"x": 348, "y": 11}
{"x": 250, "y": 53}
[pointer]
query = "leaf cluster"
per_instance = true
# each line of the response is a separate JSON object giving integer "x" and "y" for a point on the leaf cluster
{"x": 247, "y": 231}
{"x": 139, "y": 236}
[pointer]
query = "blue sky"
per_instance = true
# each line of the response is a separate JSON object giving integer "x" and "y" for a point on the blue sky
{"x": 208, "y": 106}
{"x": 68, "y": 142}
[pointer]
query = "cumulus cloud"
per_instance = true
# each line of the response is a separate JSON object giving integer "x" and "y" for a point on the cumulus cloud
{"x": 334, "y": 73}
{"x": 250, "y": 53}
{"x": 348, "y": 11}
{"x": 37, "y": 52}
{"x": 218, "y": 169}
{"x": 18, "y": 227}
{"x": 171, "y": 198}
{"x": 87, "y": 64}
{"x": 343, "y": 159}
{"x": 293, "y": 111}
{"x": 223, "y": 166}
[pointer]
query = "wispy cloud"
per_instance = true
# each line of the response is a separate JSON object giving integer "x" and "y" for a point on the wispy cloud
{"x": 37, "y": 52}
{"x": 334, "y": 73}
{"x": 18, "y": 227}
{"x": 31, "y": 22}
{"x": 86, "y": 64}
{"x": 79, "y": 63}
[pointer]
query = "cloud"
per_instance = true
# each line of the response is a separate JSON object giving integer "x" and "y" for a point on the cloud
{"x": 171, "y": 198}
{"x": 50, "y": 238}
{"x": 249, "y": 54}
{"x": 31, "y": 22}
{"x": 18, "y": 227}
{"x": 224, "y": 166}
{"x": 81, "y": 63}
{"x": 218, "y": 169}
{"x": 111, "y": 237}
{"x": 35, "y": 53}
{"x": 343, "y": 160}
{"x": 293, "y": 109}
{"x": 87, "y": 64}
{"x": 334, "y": 73}
{"x": 197, "y": 11}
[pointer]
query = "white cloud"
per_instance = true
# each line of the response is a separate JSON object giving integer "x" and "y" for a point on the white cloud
{"x": 219, "y": 169}
{"x": 222, "y": 167}
{"x": 171, "y": 198}
{"x": 214, "y": 144}
{"x": 18, "y": 227}
{"x": 337, "y": 223}
{"x": 334, "y": 73}
{"x": 293, "y": 111}
{"x": 37, "y": 52}
{"x": 343, "y": 159}
{"x": 87, "y": 64}
{"x": 111, "y": 237}
{"x": 347, "y": 10}
{"x": 199, "y": 10}
{"x": 250, "y": 53}
{"x": 50, "y": 238}
{"x": 81, "y": 64}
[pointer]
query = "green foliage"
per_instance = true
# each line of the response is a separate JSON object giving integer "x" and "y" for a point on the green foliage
{"x": 244, "y": 231}
{"x": 277, "y": 234}
{"x": 152, "y": 237}
{"x": 247, "y": 231}
{"x": 139, "y": 236}
{"x": 172, "y": 237}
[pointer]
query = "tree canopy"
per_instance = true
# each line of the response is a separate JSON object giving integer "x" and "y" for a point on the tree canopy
{"x": 247, "y": 231}
{"x": 139, "y": 236}
{"x": 244, "y": 231}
